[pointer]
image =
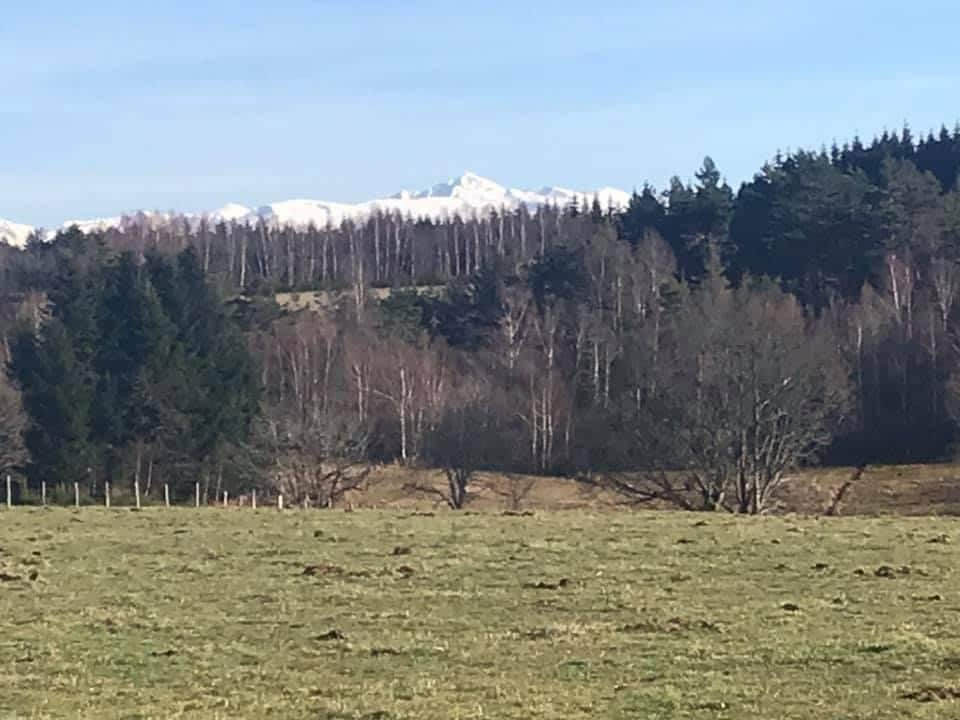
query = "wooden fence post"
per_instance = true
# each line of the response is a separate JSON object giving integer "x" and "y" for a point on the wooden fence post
{"x": 197, "y": 493}
{"x": 279, "y": 502}
{"x": 9, "y": 493}
{"x": 76, "y": 494}
{"x": 166, "y": 494}
{"x": 136, "y": 492}
{"x": 106, "y": 493}
{"x": 225, "y": 503}
{"x": 43, "y": 492}
{"x": 253, "y": 499}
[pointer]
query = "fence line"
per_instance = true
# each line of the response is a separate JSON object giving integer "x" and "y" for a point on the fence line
{"x": 250, "y": 500}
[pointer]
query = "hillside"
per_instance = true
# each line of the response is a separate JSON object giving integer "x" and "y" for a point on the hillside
{"x": 811, "y": 317}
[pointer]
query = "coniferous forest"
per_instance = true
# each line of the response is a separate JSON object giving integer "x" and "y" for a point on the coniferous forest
{"x": 696, "y": 346}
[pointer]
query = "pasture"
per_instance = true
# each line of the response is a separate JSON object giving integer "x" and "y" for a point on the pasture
{"x": 230, "y": 613}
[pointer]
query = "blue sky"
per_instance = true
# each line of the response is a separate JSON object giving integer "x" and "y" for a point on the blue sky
{"x": 112, "y": 106}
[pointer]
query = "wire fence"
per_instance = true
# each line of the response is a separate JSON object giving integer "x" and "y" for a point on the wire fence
{"x": 21, "y": 497}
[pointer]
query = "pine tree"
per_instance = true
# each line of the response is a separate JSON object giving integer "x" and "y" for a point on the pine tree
{"x": 133, "y": 354}
{"x": 57, "y": 388}
{"x": 644, "y": 213}
{"x": 596, "y": 211}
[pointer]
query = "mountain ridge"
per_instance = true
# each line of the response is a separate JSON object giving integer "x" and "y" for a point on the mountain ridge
{"x": 467, "y": 195}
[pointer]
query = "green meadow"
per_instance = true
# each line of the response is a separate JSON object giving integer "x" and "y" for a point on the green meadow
{"x": 385, "y": 615}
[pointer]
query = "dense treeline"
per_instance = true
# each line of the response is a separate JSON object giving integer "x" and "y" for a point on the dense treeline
{"x": 133, "y": 367}
{"x": 810, "y": 315}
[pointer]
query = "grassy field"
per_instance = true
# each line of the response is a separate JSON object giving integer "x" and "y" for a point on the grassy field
{"x": 390, "y": 614}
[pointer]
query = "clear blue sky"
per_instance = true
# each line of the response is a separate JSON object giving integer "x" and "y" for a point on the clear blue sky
{"x": 110, "y": 106}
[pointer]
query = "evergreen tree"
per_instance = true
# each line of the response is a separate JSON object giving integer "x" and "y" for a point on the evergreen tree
{"x": 133, "y": 361}
{"x": 57, "y": 389}
{"x": 644, "y": 213}
{"x": 135, "y": 342}
{"x": 596, "y": 211}
{"x": 559, "y": 274}
{"x": 715, "y": 208}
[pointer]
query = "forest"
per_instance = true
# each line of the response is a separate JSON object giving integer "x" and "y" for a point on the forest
{"x": 695, "y": 346}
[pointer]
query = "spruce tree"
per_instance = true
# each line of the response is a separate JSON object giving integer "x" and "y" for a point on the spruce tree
{"x": 596, "y": 211}
{"x": 58, "y": 390}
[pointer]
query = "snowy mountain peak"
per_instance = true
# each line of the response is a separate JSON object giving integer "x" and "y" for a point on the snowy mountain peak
{"x": 468, "y": 186}
{"x": 472, "y": 183}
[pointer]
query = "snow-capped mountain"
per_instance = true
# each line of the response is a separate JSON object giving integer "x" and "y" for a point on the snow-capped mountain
{"x": 13, "y": 233}
{"x": 466, "y": 196}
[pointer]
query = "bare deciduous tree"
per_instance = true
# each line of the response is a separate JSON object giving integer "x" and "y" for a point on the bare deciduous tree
{"x": 464, "y": 442}
{"x": 319, "y": 465}
{"x": 755, "y": 390}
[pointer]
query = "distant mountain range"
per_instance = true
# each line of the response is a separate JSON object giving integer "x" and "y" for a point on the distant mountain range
{"x": 466, "y": 196}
